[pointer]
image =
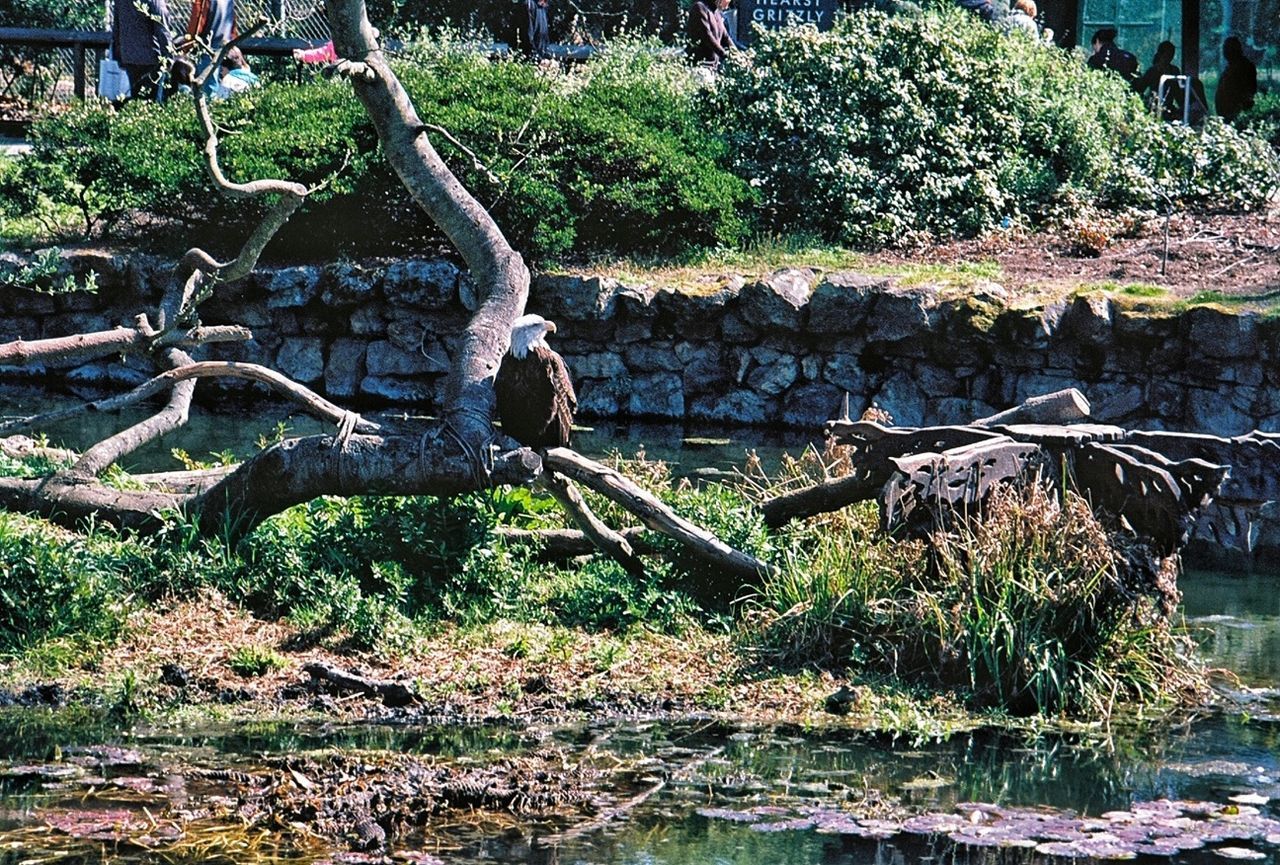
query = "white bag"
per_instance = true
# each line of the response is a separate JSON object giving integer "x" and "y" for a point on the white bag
{"x": 113, "y": 83}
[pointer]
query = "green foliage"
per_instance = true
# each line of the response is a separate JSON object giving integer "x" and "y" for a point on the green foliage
{"x": 58, "y": 584}
{"x": 1263, "y": 119}
{"x": 611, "y": 159}
{"x": 58, "y": 14}
{"x": 890, "y": 128}
{"x": 1024, "y": 610}
{"x": 251, "y": 661}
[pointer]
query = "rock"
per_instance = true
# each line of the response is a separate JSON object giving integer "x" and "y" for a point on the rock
{"x": 809, "y": 406}
{"x": 735, "y": 406}
{"x": 1089, "y": 319}
{"x": 956, "y": 410}
{"x": 301, "y": 359}
{"x": 601, "y": 397}
{"x": 659, "y": 394}
{"x": 600, "y": 364}
{"x": 345, "y": 369}
{"x": 583, "y": 298}
{"x": 368, "y": 321}
{"x": 402, "y": 391}
{"x": 841, "y": 301}
{"x": 1216, "y": 332}
{"x": 386, "y": 359}
{"x": 421, "y": 284}
{"x": 1208, "y": 412}
{"x": 776, "y": 372}
{"x": 736, "y": 329}
{"x": 1114, "y": 401}
{"x": 903, "y": 398}
{"x": 293, "y": 287}
{"x": 901, "y": 314}
{"x": 652, "y": 357}
{"x": 777, "y": 302}
{"x": 704, "y": 368}
{"x": 844, "y": 372}
{"x": 343, "y": 283}
{"x": 106, "y": 374}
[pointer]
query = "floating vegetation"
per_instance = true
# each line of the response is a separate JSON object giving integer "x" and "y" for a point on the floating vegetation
{"x": 1159, "y": 828}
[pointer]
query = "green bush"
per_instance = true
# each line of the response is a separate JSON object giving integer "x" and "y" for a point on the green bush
{"x": 57, "y": 583}
{"x": 1263, "y": 119}
{"x": 889, "y": 129}
{"x": 612, "y": 159}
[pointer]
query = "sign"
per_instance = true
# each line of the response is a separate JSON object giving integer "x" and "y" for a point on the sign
{"x": 776, "y": 14}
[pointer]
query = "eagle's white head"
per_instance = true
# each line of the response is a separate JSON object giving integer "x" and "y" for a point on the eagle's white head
{"x": 528, "y": 331}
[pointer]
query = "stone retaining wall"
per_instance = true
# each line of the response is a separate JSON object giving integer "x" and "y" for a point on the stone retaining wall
{"x": 780, "y": 351}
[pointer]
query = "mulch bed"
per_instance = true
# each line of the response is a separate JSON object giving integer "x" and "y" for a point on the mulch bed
{"x": 1238, "y": 255}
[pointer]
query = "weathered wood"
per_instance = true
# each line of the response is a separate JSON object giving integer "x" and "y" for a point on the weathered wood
{"x": 826, "y": 496}
{"x": 561, "y": 544}
{"x": 1068, "y": 435}
{"x": 1254, "y": 459}
{"x": 927, "y": 486}
{"x": 1136, "y": 489}
{"x": 1060, "y": 407}
{"x": 654, "y": 513}
{"x": 392, "y": 693}
{"x": 606, "y": 539}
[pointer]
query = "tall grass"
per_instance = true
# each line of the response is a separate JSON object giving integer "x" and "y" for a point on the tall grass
{"x": 1027, "y": 609}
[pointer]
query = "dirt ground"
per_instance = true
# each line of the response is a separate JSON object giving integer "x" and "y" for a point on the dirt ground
{"x": 1237, "y": 255}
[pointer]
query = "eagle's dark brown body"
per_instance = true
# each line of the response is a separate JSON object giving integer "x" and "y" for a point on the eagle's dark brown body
{"x": 536, "y": 401}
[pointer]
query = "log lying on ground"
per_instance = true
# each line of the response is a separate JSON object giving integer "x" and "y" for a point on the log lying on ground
{"x": 1060, "y": 407}
{"x": 392, "y": 693}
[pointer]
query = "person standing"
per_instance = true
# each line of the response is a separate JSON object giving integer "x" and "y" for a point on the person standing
{"x": 709, "y": 41}
{"x": 537, "y": 30}
{"x": 1239, "y": 82}
{"x": 1162, "y": 65}
{"x": 211, "y": 25}
{"x": 1108, "y": 55}
{"x": 1023, "y": 17}
{"x": 140, "y": 42}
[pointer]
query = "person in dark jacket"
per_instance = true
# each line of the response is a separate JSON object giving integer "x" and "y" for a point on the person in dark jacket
{"x": 140, "y": 42}
{"x": 709, "y": 41}
{"x": 536, "y": 34}
{"x": 1148, "y": 86}
{"x": 1239, "y": 82}
{"x": 984, "y": 9}
{"x": 1108, "y": 55}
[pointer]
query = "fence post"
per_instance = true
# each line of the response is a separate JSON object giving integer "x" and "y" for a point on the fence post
{"x": 79, "y": 70}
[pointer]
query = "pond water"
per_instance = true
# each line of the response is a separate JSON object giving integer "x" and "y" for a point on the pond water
{"x": 728, "y": 795}
{"x": 237, "y": 428}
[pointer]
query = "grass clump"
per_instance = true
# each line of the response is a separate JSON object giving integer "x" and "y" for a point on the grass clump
{"x": 253, "y": 661}
{"x": 1031, "y": 609}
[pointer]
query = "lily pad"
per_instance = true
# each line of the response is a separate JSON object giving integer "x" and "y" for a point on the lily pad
{"x": 1249, "y": 799}
{"x": 1239, "y": 853}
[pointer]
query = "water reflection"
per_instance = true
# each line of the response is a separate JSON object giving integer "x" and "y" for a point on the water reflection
{"x": 235, "y": 426}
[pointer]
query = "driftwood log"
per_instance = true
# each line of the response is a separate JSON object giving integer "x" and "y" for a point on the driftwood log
{"x": 1153, "y": 485}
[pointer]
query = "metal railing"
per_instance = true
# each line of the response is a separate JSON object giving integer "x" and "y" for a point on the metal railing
{"x": 42, "y": 67}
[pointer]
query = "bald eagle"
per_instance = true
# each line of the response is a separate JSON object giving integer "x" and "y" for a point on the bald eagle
{"x": 536, "y": 401}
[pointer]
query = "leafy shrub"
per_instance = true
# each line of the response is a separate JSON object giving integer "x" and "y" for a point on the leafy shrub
{"x": 57, "y": 583}
{"x": 252, "y": 661}
{"x": 611, "y": 159}
{"x": 891, "y": 128}
{"x": 1263, "y": 119}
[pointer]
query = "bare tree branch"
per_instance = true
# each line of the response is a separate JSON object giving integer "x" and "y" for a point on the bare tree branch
{"x": 606, "y": 539}
{"x": 654, "y": 513}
